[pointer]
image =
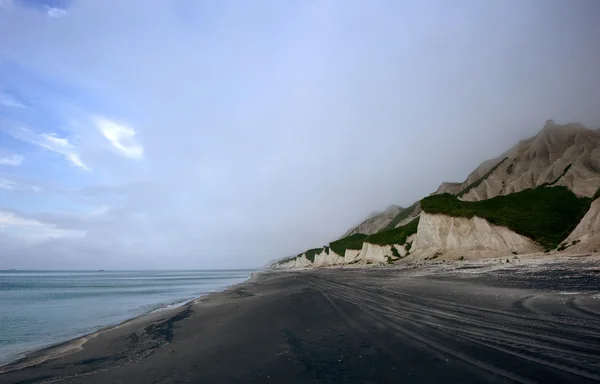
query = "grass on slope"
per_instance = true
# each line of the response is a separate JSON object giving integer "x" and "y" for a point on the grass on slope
{"x": 476, "y": 183}
{"x": 311, "y": 253}
{"x": 349, "y": 242}
{"x": 394, "y": 236}
{"x": 385, "y": 237}
{"x": 545, "y": 215}
{"x": 401, "y": 216}
{"x": 287, "y": 259}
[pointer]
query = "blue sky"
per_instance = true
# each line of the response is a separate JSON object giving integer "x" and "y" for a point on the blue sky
{"x": 201, "y": 134}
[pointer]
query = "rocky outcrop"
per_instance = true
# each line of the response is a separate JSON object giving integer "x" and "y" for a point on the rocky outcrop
{"x": 448, "y": 187}
{"x": 368, "y": 254}
{"x": 297, "y": 262}
{"x": 440, "y": 234}
{"x": 566, "y": 155}
{"x": 325, "y": 259}
{"x": 586, "y": 236}
{"x": 559, "y": 155}
{"x": 409, "y": 214}
{"x": 376, "y": 222}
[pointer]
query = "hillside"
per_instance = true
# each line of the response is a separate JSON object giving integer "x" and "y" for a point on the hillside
{"x": 376, "y": 222}
{"x": 546, "y": 214}
{"x": 537, "y": 195}
{"x": 586, "y": 236}
{"x": 448, "y": 187}
{"x": 384, "y": 246}
{"x": 567, "y": 155}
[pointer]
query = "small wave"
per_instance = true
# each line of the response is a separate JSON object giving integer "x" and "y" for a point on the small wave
{"x": 177, "y": 304}
{"x": 577, "y": 293}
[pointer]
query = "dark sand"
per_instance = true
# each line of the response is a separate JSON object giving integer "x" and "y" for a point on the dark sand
{"x": 378, "y": 325}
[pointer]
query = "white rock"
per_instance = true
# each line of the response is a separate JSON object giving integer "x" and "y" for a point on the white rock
{"x": 444, "y": 233}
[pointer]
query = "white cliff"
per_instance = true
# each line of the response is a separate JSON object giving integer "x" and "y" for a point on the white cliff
{"x": 368, "y": 254}
{"x": 441, "y": 234}
{"x": 325, "y": 259}
{"x": 542, "y": 159}
{"x": 376, "y": 222}
{"x": 351, "y": 255}
{"x": 562, "y": 155}
{"x": 295, "y": 263}
{"x": 586, "y": 236}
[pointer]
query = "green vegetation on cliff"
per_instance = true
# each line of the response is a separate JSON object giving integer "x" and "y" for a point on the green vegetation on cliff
{"x": 401, "y": 216}
{"x": 394, "y": 236}
{"x": 544, "y": 214}
{"x": 311, "y": 253}
{"x": 349, "y": 242}
{"x": 385, "y": 237}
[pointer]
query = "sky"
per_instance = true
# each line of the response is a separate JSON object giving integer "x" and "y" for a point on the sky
{"x": 157, "y": 134}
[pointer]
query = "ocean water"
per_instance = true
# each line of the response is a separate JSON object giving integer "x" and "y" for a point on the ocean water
{"x": 38, "y": 309}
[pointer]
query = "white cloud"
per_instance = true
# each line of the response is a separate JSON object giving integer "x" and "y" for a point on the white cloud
{"x": 55, "y": 12}
{"x": 33, "y": 230}
{"x": 7, "y": 184}
{"x": 75, "y": 160}
{"x": 54, "y": 143}
{"x": 121, "y": 137}
{"x": 61, "y": 146}
{"x": 9, "y": 101}
{"x": 13, "y": 160}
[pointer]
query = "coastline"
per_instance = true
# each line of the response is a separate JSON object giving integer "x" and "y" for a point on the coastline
{"x": 467, "y": 321}
{"x": 163, "y": 312}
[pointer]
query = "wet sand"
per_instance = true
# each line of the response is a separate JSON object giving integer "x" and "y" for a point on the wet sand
{"x": 465, "y": 323}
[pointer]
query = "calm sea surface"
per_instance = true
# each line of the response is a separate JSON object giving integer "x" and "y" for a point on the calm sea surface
{"x": 38, "y": 308}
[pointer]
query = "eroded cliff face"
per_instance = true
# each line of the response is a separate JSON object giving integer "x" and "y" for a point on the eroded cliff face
{"x": 586, "y": 236}
{"x": 376, "y": 222}
{"x": 324, "y": 259}
{"x": 295, "y": 263}
{"x": 368, "y": 254}
{"x": 440, "y": 233}
{"x": 567, "y": 155}
{"x": 446, "y": 237}
{"x": 448, "y": 187}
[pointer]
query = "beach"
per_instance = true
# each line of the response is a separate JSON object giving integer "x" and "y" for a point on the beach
{"x": 461, "y": 323}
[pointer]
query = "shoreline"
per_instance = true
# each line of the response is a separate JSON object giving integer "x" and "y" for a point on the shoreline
{"x": 59, "y": 349}
{"x": 165, "y": 312}
{"x": 465, "y": 322}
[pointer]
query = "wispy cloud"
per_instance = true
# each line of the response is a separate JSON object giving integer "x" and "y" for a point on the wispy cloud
{"x": 18, "y": 185}
{"x": 33, "y": 230}
{"x": 13, "y": 160}
{"x": 52, "y": 142}
{"x": 61, "y": 146}
{"x": 9, "y": 101}
{"x": 7, "y": 184}
{"x": 50, "y": 9}
{"x": 55, "y": 12}
{"x": 121, "y": 137}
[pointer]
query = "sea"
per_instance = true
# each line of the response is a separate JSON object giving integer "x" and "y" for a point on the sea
{"x": 42, "y": 308}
